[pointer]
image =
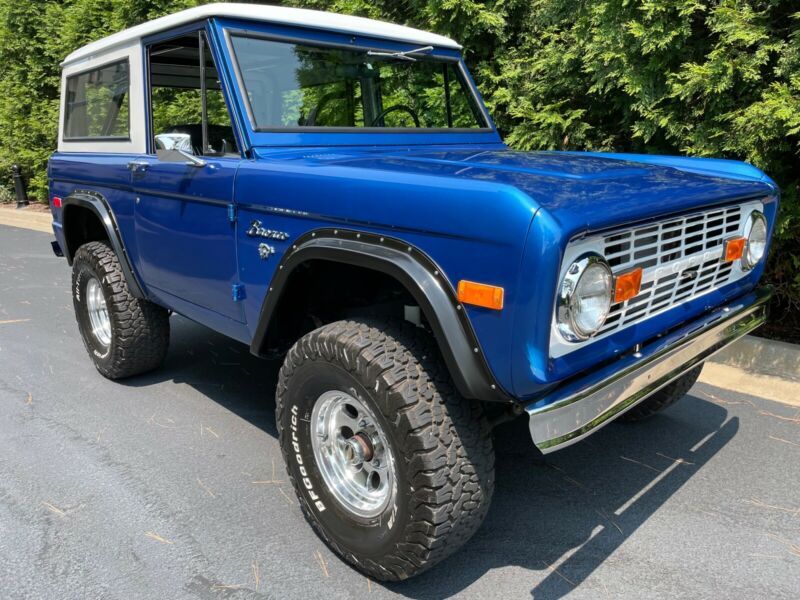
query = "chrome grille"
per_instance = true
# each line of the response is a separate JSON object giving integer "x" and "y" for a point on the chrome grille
{"x": 657, "y": 247}
{"x": 667, "y": 291}
{"x": 680, "y": 257}
{"x": 671, "y": 240}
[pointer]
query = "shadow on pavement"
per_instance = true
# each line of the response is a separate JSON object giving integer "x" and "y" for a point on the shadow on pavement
{"x": 562, "y": 516}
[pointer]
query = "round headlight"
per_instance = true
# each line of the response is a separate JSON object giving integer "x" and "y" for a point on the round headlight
{"x": 584, "y": 298}
{"x": 756, "y": 240}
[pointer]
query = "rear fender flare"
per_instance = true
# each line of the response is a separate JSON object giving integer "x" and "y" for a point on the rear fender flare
{"x": 97, "y": 203}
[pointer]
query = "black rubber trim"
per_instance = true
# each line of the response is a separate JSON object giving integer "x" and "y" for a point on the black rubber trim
{"x": 99, "y": 206}
{"x": 421, "y": 277}
{"x": 57, "y": 249}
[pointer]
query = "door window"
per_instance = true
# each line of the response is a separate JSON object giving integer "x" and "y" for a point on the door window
{"x": 188, "y": 109}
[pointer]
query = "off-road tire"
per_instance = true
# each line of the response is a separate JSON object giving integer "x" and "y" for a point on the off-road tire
{"x": 441, "y": 442}
{"x": 664, "y": 397}
{"x": 139, "y": 329}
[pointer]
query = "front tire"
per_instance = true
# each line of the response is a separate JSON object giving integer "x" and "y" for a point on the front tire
{"x": 123, "y": 335}
{"x": 386, "y": 395}
{"x": 666, "y": 396}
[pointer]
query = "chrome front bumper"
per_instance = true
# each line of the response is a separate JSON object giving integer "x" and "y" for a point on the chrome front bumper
{"x": 580, "y": 407}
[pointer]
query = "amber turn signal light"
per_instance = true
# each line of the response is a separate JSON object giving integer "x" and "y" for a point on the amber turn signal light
{"x": 480, "y": 294}
{"x": 627, "y": 285}
{"x": 734, "y": 249}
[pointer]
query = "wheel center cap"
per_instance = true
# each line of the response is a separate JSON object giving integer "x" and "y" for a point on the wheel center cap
{"x": 358, "y": 449}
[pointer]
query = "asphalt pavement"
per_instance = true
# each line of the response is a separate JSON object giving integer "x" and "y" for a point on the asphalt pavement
{"x": 171, "y": 485}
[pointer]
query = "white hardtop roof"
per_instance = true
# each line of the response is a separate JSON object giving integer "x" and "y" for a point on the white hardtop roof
{"x": 272, "y": 14}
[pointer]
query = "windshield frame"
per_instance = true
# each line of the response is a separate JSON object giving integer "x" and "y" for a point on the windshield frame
{"x": 365, "y": 45}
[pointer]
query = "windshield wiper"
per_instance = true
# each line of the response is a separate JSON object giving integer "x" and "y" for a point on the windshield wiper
{"x": 405, "y": 55}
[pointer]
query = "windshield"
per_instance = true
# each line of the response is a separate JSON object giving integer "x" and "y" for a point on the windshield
{"x": 291, "y": 86}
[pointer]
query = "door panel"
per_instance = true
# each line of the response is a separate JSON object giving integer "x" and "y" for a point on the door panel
{"x": 183, "y": 191}
{"x": 186, "y": 241}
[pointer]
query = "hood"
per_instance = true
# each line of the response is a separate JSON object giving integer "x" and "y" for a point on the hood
{"x": 581, "y": 191}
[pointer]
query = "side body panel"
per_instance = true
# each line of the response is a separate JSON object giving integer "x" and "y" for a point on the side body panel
{"x": 186, "y": 241}
{"x": 105, "y": 175}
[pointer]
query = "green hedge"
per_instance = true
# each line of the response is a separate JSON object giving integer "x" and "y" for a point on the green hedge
{"x": 706, "y": 78}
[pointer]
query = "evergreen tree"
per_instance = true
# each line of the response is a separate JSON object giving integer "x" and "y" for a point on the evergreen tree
{"x": 699, "y": 77}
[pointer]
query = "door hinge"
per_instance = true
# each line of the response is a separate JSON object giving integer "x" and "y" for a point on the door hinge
{"x": 237, "y": 291}
{"x": 232, "y": 213}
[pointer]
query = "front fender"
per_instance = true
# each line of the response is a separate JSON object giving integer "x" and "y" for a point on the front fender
{"x": 423, "y": 279}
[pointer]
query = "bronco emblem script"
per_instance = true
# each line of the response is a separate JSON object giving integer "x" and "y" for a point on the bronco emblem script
{"x": 256, "y": 230}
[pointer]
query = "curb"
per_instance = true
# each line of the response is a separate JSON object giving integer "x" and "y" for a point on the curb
{"x": 37, "y": 221}
{"x": 761, "y": 356}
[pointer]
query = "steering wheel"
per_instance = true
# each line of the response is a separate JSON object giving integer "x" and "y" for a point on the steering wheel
{"x": 402, "y": 107}
{"x": 311, "y": 120}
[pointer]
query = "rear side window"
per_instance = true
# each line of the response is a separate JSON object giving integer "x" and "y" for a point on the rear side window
{"x": 97, "y": 103}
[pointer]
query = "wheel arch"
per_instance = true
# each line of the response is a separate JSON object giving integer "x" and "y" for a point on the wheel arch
{"x": 87, "y": 217}
{"x": 418, "y": 275}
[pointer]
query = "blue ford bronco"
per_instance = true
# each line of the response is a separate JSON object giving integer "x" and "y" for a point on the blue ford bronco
{"x": 331, "y": 190}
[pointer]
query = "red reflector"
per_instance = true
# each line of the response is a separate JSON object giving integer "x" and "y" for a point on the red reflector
{"x": 56, "y": 202}
{"x": 627, "y": 285}
{"x": 734, "y": 249}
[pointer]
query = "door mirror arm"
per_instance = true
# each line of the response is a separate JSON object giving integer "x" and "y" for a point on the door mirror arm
{"x": 178, "y": 155}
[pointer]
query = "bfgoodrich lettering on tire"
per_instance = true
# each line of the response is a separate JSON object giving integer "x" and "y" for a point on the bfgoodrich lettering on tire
{"x": 124, "y": 335}
{"x": 393, "y": 469}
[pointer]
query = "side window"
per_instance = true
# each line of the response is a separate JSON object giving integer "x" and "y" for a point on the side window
{"x": 188, "y": 109}
{"x": 97, "y": 103}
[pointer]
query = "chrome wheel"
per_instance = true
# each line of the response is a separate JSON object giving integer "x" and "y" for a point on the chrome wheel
{"x": 352, "y": 454}
{"x": 98, "y": 313}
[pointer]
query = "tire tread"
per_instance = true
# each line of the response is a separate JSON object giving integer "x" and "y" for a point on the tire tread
{"x": 140, "y": 328}
{"x": 666, "y": 396}
{"x": 450, "y": 457}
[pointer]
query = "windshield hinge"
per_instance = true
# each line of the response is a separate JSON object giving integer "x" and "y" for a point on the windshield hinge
{"x": 237, "y": 292}
{"x": 232, "y": 213}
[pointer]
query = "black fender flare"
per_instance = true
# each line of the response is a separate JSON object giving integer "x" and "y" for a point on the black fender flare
{"x": 97, "y": 203}
{"x": 423, "y": 279}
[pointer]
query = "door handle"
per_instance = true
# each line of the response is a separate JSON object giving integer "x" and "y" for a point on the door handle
{"x": 138, "y": 166}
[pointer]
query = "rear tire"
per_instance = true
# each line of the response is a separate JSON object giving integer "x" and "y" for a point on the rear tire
{"x": 123, "y": 335}
{"x": 666, "y": 396}
{"x": 397, "y": 394}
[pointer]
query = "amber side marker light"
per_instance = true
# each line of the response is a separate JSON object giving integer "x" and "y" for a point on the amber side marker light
{"x": 480, "y": 294}
{"x": 734, "y": 249}
{"x": 627, "y": 285}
